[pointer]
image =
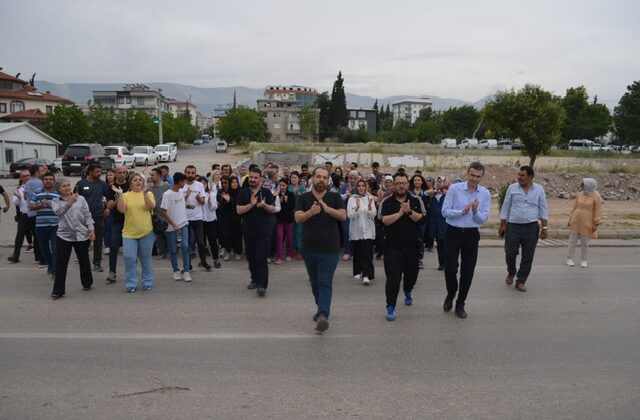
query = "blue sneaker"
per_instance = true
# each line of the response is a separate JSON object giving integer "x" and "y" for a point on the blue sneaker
{"x": 408, "y": 300}
{"x": 391, "y": 313}
{"x": 131, "y": 289}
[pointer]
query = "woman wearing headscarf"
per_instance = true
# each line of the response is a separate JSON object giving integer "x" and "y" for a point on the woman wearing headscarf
{"x": 417, "y": 188}
{"x": 437, "y": 223}
{"x": 361, "y": 211}
{"x": 584, "y": 220}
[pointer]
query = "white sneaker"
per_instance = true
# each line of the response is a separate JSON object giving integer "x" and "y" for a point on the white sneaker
{"x": 570, "y": 262}
{"x": 186, "y": 276}
{"x": 226, "y": 257}
{"x": 238, "y": 257}
{"x": 357, "y": 276}
{"x": 583, "y": 264}
{"x": 106, "y": 251}
{"x": 177, "y": 276}
{"x": 366, "y": 281}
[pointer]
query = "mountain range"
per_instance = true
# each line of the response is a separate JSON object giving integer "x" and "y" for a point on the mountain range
{"x": 206, "y": 98}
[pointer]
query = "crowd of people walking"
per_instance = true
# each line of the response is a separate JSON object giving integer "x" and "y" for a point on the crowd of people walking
{"x": 278, "y": 215}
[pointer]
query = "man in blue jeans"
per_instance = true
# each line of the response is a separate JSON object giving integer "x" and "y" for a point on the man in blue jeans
{"x": 317, "y": 211}
{"x": 46, "y": 221}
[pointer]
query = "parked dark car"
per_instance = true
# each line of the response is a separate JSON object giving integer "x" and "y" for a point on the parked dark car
{"x": 25, "y": 164}
{"x": 78, "y": 156}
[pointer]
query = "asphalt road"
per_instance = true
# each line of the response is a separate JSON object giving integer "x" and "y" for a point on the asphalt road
{"x": 568, "y": 348}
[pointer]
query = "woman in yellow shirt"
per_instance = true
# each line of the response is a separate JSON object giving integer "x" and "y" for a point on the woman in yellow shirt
{"x": 584, "y": 220}
{"x": 137, "y": 233}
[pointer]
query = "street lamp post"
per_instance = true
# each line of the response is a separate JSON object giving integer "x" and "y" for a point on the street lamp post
{"x": 160, "y": 139}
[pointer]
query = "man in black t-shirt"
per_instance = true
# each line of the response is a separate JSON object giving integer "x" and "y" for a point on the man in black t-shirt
{"x": 256, "y": 206}
{"x": 401, "y": 213}
{"x": 94, "y": 191}
{"x": 120, "y": 181}
{"x": 317, "y": 212}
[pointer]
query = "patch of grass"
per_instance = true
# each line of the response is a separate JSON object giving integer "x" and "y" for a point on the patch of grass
{"x": 623, "y": 168}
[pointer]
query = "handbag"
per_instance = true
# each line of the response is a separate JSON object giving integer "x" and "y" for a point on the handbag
{"x": 159, "y": 224}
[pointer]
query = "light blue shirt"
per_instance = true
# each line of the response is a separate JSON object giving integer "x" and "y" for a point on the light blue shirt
{"x": 457, "y": 199}
{"x": 31, "y": 188}
{"x": 524, "y": 207}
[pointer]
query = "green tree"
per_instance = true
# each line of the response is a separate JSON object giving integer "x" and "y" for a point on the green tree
{"x": 309, "y": 122}
{"x": 626, "y": 115}
{"x": 338, "y": 105}
{"x": 584, "y": 120}
{"x": 136, "y": 127}
{"x": 430, "y": 131}
{"x": 178, "y": 129}
{"x": 425, "y": 115}
{"x": 323, "y": 103}
{"x": 460, "y": 122}
{"x": 531, "y": 114}
{"x": 104, "y": 125}
{"x": 375, "y": 107}
{"x": 68, "y": 125}
{"x": 386, "y": 119}
{"x": 242, "y": 125}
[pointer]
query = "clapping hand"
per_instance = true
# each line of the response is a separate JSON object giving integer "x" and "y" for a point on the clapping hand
{"x": 226, "y": 197}
{"x": 405, "y": 207}
{"x": 254, "y": 199}
{"x": 315, "y": 208}
{"x": 116, "y": 190}
{"x": 474, "y": 206}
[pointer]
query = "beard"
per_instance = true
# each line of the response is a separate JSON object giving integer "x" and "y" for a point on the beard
{"x": 401, "y": 195}
{"x": 319, "y": 187}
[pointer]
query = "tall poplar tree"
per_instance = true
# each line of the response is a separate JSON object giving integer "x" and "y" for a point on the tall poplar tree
{"x": 338, "y": 105}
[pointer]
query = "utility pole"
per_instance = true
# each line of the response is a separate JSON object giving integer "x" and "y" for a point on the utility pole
{"x": 160, "y": 116}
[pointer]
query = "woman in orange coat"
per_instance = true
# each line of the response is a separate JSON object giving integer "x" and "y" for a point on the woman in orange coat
{"x": 584, "y": 220}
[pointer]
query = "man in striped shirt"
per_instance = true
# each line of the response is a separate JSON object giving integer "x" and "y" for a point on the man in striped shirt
{"x": 46, "y": 221}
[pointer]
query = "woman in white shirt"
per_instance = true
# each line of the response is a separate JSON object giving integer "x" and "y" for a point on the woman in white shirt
{"x": 210, "y": 219}
{"x": 361, "y": 210}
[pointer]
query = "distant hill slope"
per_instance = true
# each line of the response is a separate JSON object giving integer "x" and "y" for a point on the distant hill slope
{"x": 206, "y": 98}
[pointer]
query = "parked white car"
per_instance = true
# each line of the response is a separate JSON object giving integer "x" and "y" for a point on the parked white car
{"x": 144, "y": 155}
{"x": 468, "y": 144}
{"x": 58, "y": 163}
{"x": 221, "y": 146}
{"x": 449, "y": 143}
{"x": 166, "y": 153}
{"x": 120, "y": 155}
{"x": 488, "y": 144}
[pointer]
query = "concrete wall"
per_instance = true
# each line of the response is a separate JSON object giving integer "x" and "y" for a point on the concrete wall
{"x": 453, "y": 161}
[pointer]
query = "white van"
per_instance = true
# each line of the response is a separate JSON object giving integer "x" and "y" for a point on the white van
{"x": 488, "y": 144}
{"x": 582, "y": 144}
{"x": 221, "y": 146}
{"x": 468, "y": 144}
{"x": 448, "y": 143}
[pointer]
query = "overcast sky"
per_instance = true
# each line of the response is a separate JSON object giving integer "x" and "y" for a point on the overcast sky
{"x": 460, "y": 49}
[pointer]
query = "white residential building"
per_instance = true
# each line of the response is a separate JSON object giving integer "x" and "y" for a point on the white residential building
{"x": 409, "y": 109}
{"x": 177, "y": 108}
{"x": 19, "y": 140}
{"x": 134, "y": 96}
{"x": 21, "y": 101}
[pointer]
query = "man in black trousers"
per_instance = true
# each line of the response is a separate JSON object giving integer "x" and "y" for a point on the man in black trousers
{"x": 401, "y": 214}
{"x": 465, "y": 208}
{"x": 256, "y": 206}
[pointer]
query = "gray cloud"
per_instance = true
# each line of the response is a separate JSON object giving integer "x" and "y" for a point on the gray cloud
{"x": 457, "y": 49}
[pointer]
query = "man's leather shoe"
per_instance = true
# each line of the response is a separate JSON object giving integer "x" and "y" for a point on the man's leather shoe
{"x": 447, "y": 305}
{"x": 509, "y": 279}
{"x": 520, "y": 286}
{"x": 460, "y": 312}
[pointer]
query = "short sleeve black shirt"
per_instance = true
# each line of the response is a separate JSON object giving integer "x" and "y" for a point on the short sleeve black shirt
{"x": 405, "y": 232}
{"x": 320, "y": 232}
{"x": 256, "y": 222}
{"x": 118, "y": 218}
{"x": 94, "y": 192}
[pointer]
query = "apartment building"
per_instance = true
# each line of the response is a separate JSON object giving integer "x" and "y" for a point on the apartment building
{"x": 409, "y": 109}
{"x": 281, "y": 107}
{"x": 133, "y": 96}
